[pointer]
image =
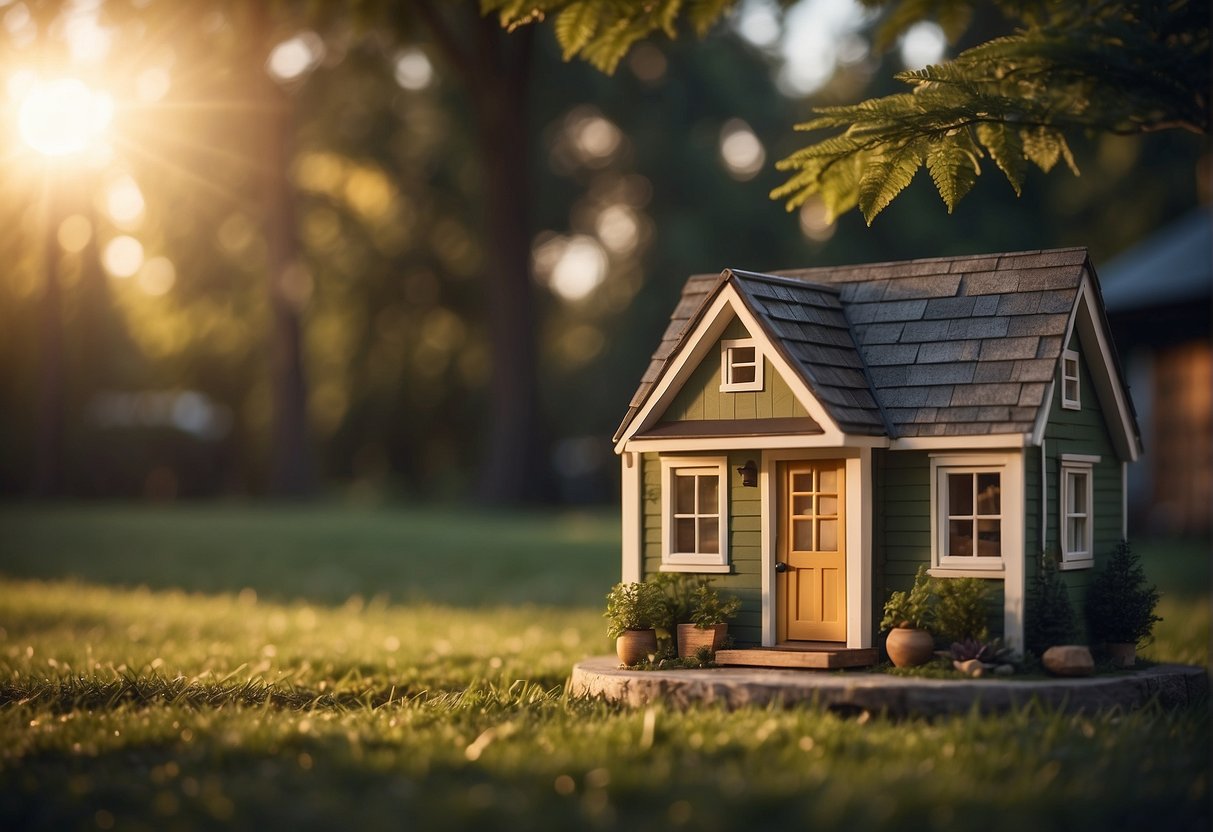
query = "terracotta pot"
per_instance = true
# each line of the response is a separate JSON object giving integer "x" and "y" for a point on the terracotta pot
{"x": 1121, "y": 655}
{"x": 635, "y": 645}
{"x": 691, "y": 639}
{"x": 910, "y": 648}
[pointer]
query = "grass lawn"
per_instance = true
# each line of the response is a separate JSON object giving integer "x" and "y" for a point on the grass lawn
{"x": 326, "y": 668}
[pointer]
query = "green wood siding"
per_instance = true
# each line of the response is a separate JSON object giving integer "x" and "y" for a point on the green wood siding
{"x": 1082, "y": 431}
{"x": 902, "y": 533}
{"x": 745, "y": 539}
{"x": 700, "y": 398}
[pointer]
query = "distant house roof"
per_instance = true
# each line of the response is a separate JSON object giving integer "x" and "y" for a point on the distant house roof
{"x": 939, "y": 347}
{"x": 1173, "y": 266}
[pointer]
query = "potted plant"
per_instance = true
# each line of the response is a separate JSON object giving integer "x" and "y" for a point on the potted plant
{"x": 678, "y": 592}
{"x": 907, "y": 617}
{"x": 1120, "y": 607}
{"x": 710, "y": 614}
{"x": 633, "y": 611}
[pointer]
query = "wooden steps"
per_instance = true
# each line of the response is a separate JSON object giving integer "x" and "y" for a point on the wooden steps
{"x": 797, "y": 658}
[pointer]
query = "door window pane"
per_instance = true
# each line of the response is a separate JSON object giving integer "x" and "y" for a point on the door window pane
{"x": 827, "y": 482}
{"x": 827, "y": 535}
{"x": 802, "y": 505}
{"x": 827, "y": 506}
{"x": 802, "y": 482}
{"x": 802, "y": 535}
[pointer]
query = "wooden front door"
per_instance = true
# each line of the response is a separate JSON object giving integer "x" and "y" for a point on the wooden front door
{"x": 811, "y": 573}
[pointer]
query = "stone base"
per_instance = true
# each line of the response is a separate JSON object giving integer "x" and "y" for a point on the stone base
{"x": 600, "y": 677}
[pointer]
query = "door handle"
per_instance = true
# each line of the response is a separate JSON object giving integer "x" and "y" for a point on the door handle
{"x": 781, "y": 567}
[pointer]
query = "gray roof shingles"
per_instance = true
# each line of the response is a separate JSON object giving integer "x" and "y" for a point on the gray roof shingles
{"x": 938, "y": 347}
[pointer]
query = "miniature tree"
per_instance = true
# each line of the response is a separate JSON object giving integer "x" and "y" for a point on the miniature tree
{"x": 1120, "y": 606}
{"x": 1051, "y": 618}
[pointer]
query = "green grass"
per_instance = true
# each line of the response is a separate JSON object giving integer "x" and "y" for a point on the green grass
{"x": 321, "y": 668}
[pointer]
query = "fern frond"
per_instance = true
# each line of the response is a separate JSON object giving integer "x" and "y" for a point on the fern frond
{"x": 885, "y": 176}
{"x": 952, "y": 161}
{"x": 1006, "y": 149}
{"x": 705, "y": 13}
{"x": 1041, "y": 147}
{"x": 575, "y": 25}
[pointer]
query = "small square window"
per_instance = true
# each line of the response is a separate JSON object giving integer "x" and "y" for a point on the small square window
{"x": 1071, "y": 398}
{"x": 740, "y": 366}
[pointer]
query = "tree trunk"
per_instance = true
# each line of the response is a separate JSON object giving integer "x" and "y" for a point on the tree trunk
{"x": 48, "y": 473}
{"x": 290, "y": 453}
{"x": 515, "y": 467}
{"x": 291, "y": 468}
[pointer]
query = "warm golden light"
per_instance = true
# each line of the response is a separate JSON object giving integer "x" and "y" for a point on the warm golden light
{"x": 63, "y": 117}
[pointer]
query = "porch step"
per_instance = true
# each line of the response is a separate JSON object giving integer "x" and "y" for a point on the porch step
{"x": 797, "y": 658}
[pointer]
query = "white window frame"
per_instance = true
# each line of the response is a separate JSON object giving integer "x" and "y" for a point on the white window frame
{"x": 727, "y": 385}
{"x": 1079, "y": 465}
{"x": 1068, "y": 402}
{"x": 672, "y": 561}
{"x": 1009, "y": 467}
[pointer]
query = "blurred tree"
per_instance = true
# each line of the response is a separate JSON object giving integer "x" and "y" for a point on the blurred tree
{"x": 1120, "y": 67}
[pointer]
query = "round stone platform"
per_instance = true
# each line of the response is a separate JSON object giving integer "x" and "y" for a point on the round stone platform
{"x": 1172, "y": 685}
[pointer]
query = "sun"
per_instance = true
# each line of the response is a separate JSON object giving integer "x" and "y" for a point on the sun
{"x": 64, "y": 117}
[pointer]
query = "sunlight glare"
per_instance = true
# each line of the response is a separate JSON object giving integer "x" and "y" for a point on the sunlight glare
{"x": 157, "y": 276}
{"x": 152, "y": 84}
{"x": 757, "y": 21}
{"x": 88, "y": 41}
{"x": 616, "y": 226}
{"x": 124, "y": 202}
{"x": 923, "y": 44}
{"x": 741, "y": 151}
{"x": 74, "y": 233}
{"x": 572, "y": 267}
{"x": 414, "y": 70}
{"x": 123, "y": 256}
{"x": 815, "y": 222}
{"x": 295, "y": 56}
{"x": 64, "y": 117}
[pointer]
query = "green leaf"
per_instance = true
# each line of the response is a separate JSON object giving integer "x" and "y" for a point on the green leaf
{"x": 575, "y": 25}
{"x": 1006, "y": 148}
{"x": 1040, "y": 145}
{"x": 952, "y": 162}
{"x": 885, "y": 176}
{"x": 705, "y": 13}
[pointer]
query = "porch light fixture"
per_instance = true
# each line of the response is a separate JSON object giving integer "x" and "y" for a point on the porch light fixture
{"x": 749, "y": 474}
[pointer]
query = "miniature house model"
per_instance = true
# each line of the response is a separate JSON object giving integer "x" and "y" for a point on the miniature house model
{"x": 810, "y": 437}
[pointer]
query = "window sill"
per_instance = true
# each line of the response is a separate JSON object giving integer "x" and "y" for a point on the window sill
{"x": 714, "y": 568}
{"x": 744, "y": 387}
{"x": 1067, "y": 565}
{"x": 993, "y": 573}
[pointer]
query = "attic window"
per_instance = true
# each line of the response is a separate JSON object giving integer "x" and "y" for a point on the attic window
{"x": 1070, "y": 393}
{"x": 740, "y": 366}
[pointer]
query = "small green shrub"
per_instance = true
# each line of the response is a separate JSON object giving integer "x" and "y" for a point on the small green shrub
{"x": 635, "y": 606}
{"x": 1050, "y": 615}
{"x": 912, "y": 609}
{"x": 1120, "y": 606}
{"x": 709, "y": 608}
{"x": 678, "y": 591}
{"x": 960, "y": 609}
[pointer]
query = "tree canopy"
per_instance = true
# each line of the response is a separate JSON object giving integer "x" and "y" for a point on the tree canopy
{"x": 1120, "y": 67}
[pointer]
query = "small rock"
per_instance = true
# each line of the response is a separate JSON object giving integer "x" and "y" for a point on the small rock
{"x": 972, "y": 667}
{"x": 1068, "y": 660}
{"x": 1004, "y": 670}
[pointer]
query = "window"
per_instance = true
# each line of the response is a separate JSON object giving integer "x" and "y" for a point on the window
{"x": 1077, "y": 519}
{"x": 695, "y": 515}
{"x": 740, "y": 366}
{"x": 975, "y": 500}
{"x": 1070, "y": 392}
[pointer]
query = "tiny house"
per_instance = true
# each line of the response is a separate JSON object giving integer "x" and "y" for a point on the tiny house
{"x": 810, "y": 437}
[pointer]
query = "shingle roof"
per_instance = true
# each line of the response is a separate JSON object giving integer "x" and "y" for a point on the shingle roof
{"x": 938, "y": 347}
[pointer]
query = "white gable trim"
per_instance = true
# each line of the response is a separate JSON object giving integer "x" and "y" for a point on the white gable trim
{"x": 698, "y": 344}
{"x": 1086, "y": 320}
